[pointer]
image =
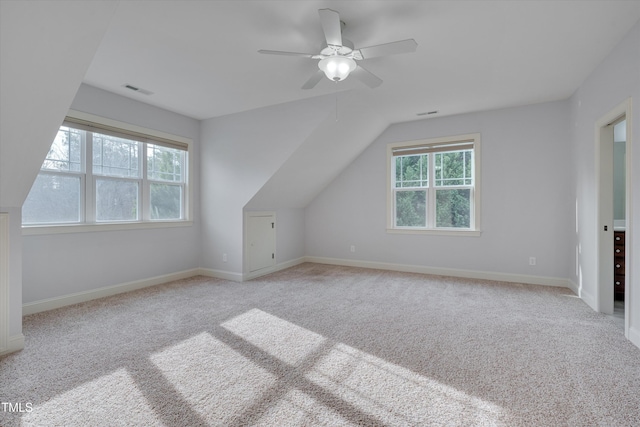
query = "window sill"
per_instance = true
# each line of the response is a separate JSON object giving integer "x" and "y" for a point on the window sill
{"x": 448, "y": 232}
{"x": 31, "y": 230}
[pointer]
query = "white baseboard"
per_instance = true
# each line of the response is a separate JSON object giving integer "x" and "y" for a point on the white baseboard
{"x": 15, "y": 343}
{"x": 584, "y": 296}
{"x": 634, "y": 336}
{"x": 277, "y": 267}
{"x": 220, "y": 274}
{"x": 469, "y": 274}
{"x": 237, "y": 277}
{"x": 573, "y": 286}
{"x": 75, "y": 298}
{"x": 589, "y": 299}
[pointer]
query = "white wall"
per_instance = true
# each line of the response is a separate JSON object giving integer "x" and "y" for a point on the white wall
{"x": 289, "y": 235}
{"x": 610, "y": 84}
{"x": 239, "y": 154}
{"x": 274, "y": 159}
{"x": 60, "y": 264}
{"x": 345, "y": 131}
{"x": 526, "y": 208}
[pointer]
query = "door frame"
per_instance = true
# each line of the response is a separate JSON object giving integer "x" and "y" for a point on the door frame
{"x": 604, "y": 210}
{"x": 4, "y": 282}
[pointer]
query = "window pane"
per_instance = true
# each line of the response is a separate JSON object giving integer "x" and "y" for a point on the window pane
{"x": 411, "y": 208}
{"x": 453, "y": 208}
{"x": 53, "y": 199}
{"x": 114, "y": 156}
{"x": 166, "y": 201}
{"x": 65, "y": 152}
{"x": 412, "y": 171}
{"x": 116, "y": 200}
{"x": 454, "y": 168}
{"x": 165, "y": 164}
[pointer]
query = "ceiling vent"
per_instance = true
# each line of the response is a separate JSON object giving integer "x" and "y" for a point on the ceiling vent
{"x": 137, "y": 89}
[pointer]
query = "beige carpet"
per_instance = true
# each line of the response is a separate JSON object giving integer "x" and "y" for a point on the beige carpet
{"x": 325, "y": 345}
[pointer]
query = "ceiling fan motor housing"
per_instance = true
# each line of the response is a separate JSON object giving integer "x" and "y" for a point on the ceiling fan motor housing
{"x": 345, "y": 49}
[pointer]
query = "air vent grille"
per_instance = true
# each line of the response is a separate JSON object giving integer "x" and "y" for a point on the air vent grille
{"x": 137, "y": 89}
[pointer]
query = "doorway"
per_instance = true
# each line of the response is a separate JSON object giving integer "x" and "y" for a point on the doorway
{"x": 614, "y": 219}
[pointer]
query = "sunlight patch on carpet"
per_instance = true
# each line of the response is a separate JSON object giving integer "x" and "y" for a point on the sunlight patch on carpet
{"x": 91, "y": 404}
{"x": 300, "y": 409}
{"x": 396, "y": 395}
{"x": 368, "y": 385}
{"x": 281, "y": 339}
{"x": 216, "y": 381}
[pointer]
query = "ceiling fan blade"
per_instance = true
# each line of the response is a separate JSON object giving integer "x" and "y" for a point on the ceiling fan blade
{"x": 366, "y": 77}
{"x": 279, "y": 52}
{"x": 393, "y": 48}
{"x": 330, "y": 20}
{"x": 313, "y": 80}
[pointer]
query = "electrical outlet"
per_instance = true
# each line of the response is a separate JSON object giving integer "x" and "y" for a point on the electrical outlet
{"x": 532, "y": 260}
{"x": 224, "y": 258}
{"x": 353, "y": 248}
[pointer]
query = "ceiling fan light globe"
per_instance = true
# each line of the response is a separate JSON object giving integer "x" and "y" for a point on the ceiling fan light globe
{"x": 337, "y": 68}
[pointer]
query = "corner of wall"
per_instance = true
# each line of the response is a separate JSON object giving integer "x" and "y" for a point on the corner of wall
{"x": 11, "y": 280}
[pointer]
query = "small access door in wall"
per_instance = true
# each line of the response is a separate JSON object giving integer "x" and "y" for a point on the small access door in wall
{"x": 261, "y": 240}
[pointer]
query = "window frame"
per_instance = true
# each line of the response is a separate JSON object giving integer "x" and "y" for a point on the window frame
{"x": 142, "y": 135}
{"x": 443, "y": 144}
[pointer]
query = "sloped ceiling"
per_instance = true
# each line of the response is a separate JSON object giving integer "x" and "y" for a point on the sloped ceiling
{"x": 199, "y": 58}
{"x": 43, "y": 64}
{"x": 247, "y": 149}
{"x": 348, "y": 128}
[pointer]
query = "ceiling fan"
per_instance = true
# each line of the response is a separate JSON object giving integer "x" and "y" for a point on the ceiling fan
{"x": 338, "y": 58}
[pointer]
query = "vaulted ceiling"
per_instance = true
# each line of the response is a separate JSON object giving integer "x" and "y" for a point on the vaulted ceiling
{"x": 199, "y": 58}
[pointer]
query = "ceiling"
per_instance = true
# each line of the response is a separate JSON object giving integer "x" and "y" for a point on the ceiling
{"x": 199, "y": 58}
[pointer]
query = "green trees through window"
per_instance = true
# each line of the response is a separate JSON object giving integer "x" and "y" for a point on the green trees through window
{"x": 433, "y": 186}
{"x": 92, "y": 177}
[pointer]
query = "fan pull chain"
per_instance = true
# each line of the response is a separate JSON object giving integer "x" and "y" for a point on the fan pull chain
{"x": 335, "y": 91}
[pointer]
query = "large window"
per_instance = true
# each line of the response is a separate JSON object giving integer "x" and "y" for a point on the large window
{"x": 434, "y": 185}
{"x": 98, "y": 174}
